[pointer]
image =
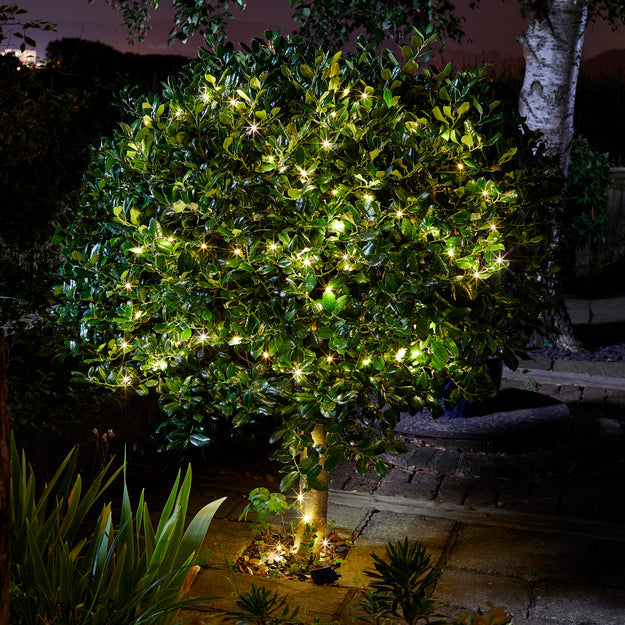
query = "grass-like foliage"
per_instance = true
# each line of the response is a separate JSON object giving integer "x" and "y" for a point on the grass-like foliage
{"x": 66, "y": 569}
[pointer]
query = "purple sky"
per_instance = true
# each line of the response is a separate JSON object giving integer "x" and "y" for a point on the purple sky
{"x": 493, "y": 27}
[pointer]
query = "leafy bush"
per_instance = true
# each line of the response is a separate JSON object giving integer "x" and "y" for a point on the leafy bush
{"x": 402, "y": 586}
{"x": 65, "y": 570}
{"x": 287, "y": 238}
{"x": 584, "y": 215}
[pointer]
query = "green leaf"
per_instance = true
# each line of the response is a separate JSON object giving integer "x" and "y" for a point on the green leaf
{"x": 289, "y": 481}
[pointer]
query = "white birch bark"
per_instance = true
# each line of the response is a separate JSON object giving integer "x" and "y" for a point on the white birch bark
{"x": 552, "y": 47}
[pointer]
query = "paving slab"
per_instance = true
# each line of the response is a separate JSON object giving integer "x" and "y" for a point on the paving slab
{"x": 224, "y": 541}
{"x": 454, "y": 489}
{"x": 385, "y": 526}
{"x": 359, "y": 559}
{"x": 347, "y": 521}
{"x": 313, "y": 601}
{"x": 465, "y": 591}
{"x": 521, "y": 554}
{"x": 410, "y": 484}
{"x": 571, "y": 603}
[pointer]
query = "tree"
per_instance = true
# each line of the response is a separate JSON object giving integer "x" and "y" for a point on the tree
{"x": 314, "y": 244}
{"x": 551, "y": 45}
{"x": 12, "y": 22}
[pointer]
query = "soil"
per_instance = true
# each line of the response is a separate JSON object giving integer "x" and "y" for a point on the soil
{"x": 272, "y": 556}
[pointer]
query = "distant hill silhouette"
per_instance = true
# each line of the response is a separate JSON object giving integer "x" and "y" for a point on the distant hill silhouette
{"x": 609, "y": 63}
{"x": 84, "y": 58}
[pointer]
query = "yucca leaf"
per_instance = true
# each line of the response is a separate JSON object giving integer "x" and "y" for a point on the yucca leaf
{"x": 182, "y": 502}
{"x": 148, "y": 534}
{"x": 73, "y": 503}
{"x": 102, "y": 539}
{"x": 196, "y": 532}
{"x": 169, "y": 506}
{"x": 119, "y": 583}
{"x": 34, "y": 565}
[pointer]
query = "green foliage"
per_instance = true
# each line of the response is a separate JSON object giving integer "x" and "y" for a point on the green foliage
{"x": 13, "y": 23}
{"x": 587, "y": 187}
{"x": 402, "y": 586}
{"x": 207, "y": 18}
{"x": 260, "y": 606}
{"x": 262, "y": 504}
{"x": 46, "y": 407}
{"x": 332, "y": 24}
{"x": 67, "y": 570}
{"x": 287, "y": 238}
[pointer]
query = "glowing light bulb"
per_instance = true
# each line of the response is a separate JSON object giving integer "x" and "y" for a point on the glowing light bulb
{"x": 126, "y": 380}
{"x": 252, "y": 129}
{"x": 485, "y": 193}
{"x": 128, "y": 286}
{"x": 328, "y": 290}
{"x": 363, "y": 96}
{"x": 327, "y": 145}
{"x": 204, "y": 246}
{"x": 346, "y": 91}
{"x": 329, "y": 358}
{"x": 300, "y": 498}
{"x": 138, "y": 314}
{"x": 273, "y": 247}
{"x": 335, "y": 191}
{"x": 233, "y": 102}
{"x": 399, "y": 214}
{"x": 366, "y": 362}
{"x": 297, "y": 373}
{"x": 170, "y": 239}
{"x": 237, "y": 251}
{"x": 202, "y": 337}
{"x": 265, "y": 355}
{"x": 306, "y": 519}
{"x": 235, "y": 340}
{"x": 307, "y": 262}
{"x": 477, "y": 275}
{"x": 345, "y": 257}
{"x": 333, "y": 114}
{"x": 493, "y": 227}
{"x": 325, "y": 543}
{"x": 124, "y": 345}
{"x": 460, "y": 166}
{"x": 499, "y": 259}
{"x": 303, "y": 173}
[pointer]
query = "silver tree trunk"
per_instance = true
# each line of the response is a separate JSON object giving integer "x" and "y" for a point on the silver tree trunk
{"x": 552, "y": 47}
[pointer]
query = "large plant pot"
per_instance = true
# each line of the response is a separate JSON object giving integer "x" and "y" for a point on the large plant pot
{"x": 513, "y": 420}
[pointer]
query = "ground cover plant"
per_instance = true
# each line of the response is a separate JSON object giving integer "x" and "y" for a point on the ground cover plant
{"x": 295, "y": 241}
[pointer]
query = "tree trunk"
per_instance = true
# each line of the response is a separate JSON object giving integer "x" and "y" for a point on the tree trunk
{"x": 552, "y": 47}
{"x": 314, "y": 506}
{"x": 5, "y": 486}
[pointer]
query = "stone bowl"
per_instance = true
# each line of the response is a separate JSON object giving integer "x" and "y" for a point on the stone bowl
{"x": 514, "y": 420}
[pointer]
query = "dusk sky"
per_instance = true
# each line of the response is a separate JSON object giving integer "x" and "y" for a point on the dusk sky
{"x": 493, "y": 27}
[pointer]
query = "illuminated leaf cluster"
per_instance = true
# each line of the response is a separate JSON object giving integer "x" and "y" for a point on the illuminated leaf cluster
{"x": 288, "y": 237}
